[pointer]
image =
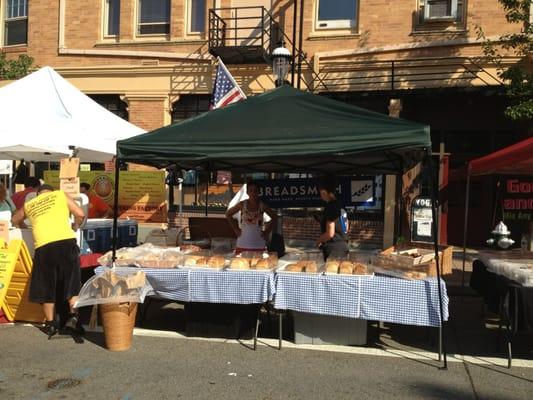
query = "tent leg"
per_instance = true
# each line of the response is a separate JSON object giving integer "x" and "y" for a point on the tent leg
{"x": 467, "y": 203}
{"x": 115, "y": 211}
{"x": 442, "y": 346}
{"x": 207, "y": 193}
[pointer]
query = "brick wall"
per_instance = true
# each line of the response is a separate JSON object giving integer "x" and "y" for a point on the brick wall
{"x": 147, "y": 113}
{"x": 362, "y": 233}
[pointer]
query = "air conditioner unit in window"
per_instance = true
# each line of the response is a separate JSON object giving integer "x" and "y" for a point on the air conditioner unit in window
{"x": 440, "y": 9}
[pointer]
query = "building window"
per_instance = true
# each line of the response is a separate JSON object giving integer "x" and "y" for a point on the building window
{"x": 197, "y": 16}
{"x": 112, "y": 103}
{"x": 336, "y": 14}
{"x": 154, "y": 17}
{"x": 190, "y": 105}
{"x": 441, "y": 10}
{"x": 16, "y": 22}
{"x": 112, "y": 17}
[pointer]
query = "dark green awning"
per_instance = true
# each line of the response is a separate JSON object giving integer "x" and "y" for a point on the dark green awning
{"x": 284, "y": 129}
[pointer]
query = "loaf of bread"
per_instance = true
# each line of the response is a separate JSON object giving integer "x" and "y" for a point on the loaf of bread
{"x": 239, "y": 263}
{"x": 193, "y": 260}
{"x": 332, "y": 267}
{"x": 294, "y": 267}
{"x": 415, "y": 275}
{"x": 360, "y": 269}
{"x": 346, "y": 267}
{"x": 216, "y": 262}
{"x": 311, "y": 267}
{"x": 263, "y": 264}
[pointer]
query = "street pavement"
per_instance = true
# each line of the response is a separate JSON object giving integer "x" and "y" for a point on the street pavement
{"x": 181, "y": 368}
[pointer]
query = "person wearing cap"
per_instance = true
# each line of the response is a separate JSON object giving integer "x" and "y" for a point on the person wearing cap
{"x": 97, "y": 207}
{"x": 56, "y": 263}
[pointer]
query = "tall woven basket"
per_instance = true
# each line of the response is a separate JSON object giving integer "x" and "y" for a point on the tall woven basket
{"x": 118, "y": 320}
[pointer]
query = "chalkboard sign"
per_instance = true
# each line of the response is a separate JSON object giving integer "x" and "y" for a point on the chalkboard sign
{"x": 421, "y": 220}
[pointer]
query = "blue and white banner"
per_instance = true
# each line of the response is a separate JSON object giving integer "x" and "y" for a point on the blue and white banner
{"x": 285, "y": 193}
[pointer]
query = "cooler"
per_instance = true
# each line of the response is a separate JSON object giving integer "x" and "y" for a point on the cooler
{"x": 127, "y": 233}
{"x": 97, "y": 235}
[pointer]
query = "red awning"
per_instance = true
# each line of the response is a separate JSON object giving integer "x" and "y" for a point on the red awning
{"x": 513, "y": 160}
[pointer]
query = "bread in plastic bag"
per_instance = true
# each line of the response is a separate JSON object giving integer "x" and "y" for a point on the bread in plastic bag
{"x": 115, "y": 285}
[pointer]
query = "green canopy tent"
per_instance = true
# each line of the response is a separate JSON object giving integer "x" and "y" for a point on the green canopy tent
{"x": 286, "y": 130}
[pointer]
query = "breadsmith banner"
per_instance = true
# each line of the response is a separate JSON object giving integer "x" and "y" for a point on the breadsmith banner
{"x": 142, "y": 194}
{"x": 284, "y": 193}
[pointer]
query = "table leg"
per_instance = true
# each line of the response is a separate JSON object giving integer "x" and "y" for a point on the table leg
{"x": 280, "y": 337}
{"x": 257, "y": 327}
{"x": 509, "y": 347}
{"x": 440, "y": 343}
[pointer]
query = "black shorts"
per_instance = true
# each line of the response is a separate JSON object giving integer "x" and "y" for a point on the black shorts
{"x": 56, "y": 272}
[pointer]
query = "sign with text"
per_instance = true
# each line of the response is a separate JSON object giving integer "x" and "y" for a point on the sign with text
{"x": 285, "y": 193}
{"x": 517, "y": 201}
{"x": 142, "y": 194}
{"x": 7, "y": 266}
{"x": 422, "y": 220}
{"x": 4, "y": 231}
{"x": 69, "y": 167}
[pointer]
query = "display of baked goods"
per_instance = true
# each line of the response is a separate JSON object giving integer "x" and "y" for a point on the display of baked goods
{"x": 311, "y": 267}
{"x": 190, "y": 248}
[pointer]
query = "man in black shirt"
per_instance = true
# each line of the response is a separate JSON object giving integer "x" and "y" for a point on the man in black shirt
{"x": 333, "y": 240}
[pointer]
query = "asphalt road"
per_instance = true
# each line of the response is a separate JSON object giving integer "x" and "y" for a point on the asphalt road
{"x": 169, "y": 368}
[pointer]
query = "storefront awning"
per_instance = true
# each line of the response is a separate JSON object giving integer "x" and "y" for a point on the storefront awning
{"x": 287, "y": 130}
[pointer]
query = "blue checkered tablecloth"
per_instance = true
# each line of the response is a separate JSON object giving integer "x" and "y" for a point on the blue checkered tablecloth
{"x": 210, "y": 286}
{"x": 378, "y": 298}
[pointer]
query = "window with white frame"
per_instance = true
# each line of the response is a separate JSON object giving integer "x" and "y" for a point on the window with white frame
{"x": 16, "y": 22}
{"x": 336, "y": 14}
{"x": 441, "y": 10}
{"x": 112, "y": 18}
{"x": 197, "y": 11}
{"x": 154, "y": 17}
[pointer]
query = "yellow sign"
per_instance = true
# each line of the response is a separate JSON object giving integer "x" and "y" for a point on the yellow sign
{"x": 142, "y": 194}
{"x": 7, "y": 266}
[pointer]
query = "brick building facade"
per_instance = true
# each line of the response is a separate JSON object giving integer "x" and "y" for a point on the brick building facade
{"x": 153, "y": 55}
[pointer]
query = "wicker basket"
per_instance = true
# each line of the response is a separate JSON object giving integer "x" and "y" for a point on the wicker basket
{"x": 118, "y": 320}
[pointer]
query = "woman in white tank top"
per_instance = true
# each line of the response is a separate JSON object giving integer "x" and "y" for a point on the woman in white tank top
{"x": 250, "y": 233}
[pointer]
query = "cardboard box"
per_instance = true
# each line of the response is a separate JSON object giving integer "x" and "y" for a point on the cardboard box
{"x": 69, "y": 168}
{"x": 445, "y": 258}
{"x": 70, "y": 186}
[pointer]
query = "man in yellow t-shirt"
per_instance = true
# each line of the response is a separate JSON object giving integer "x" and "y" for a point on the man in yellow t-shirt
{"x": 56, "y": 263}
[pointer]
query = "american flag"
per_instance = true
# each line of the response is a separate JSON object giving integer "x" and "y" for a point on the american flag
{"x": 226, "y": 90}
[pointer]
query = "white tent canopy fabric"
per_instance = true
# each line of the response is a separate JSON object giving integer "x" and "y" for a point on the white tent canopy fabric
{"x": 43, "y": 116}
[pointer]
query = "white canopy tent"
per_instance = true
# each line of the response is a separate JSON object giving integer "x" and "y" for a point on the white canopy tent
{"x": 43, "y": 117}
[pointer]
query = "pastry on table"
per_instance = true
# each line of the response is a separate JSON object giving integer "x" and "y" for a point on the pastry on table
{"x": 332, "y": 267}
{"x": 360, "y": 269}
{"x": 263, "y": 264}
{"x": 216, "y": 262}
{"x": 295, "y": 267}
{"x": 311, "y": 267}
{"x": 415, "y": 275}
{"x": 346, "y": 267}
{"x": 239, "y": 263}
{"x": 189, "y": 248}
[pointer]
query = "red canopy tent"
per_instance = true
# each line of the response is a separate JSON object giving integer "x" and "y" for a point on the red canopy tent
{"x": 515, "y": 160}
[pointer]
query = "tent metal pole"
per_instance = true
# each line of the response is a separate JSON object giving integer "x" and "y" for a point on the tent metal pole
{"x": 435, "y": 226}
{"x": 115, "y": 211}
{"x": 300, "y": 43}
{"x": 207, "y": 192}
{"x": 294, "y": 20}
{"x": 465, "y": 230}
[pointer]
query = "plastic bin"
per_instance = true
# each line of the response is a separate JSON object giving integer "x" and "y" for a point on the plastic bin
{"x": 127, "y": 232}
{"x": 326, "y": 329}
{"x": 97, "y": 235}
